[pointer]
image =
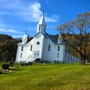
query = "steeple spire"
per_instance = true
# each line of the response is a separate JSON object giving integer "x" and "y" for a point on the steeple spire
{"x": 43, "y": 12}
{"x": 42, "y": 20}
{"x": 41, "y": 26}
{"x": 60, "y": 38}
{"x": 25, "y": 31}
{"x": 24, "y": 39}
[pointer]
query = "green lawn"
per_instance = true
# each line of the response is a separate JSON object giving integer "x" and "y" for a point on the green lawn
{"x": 47, "y": 77}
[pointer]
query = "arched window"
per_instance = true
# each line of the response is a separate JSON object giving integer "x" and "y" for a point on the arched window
{"x": 58, "y": 48}
{"x": 31, "y": 48}
{"x": 22, "y": 48}
{"x": 49, "y": 47}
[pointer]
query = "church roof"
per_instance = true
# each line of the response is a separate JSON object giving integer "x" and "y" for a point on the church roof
{"x": 54, "y": 40}
{"x": 51, "y": 38}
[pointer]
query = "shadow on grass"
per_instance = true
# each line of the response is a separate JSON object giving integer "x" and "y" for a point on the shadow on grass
{"x": 87, "y": 64}
{"x": 13, "y": 69}
{"x": 1, "y": 72}
{"x": 10, "y": 70}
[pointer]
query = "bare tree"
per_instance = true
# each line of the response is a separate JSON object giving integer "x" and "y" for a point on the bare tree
{"x": 76, "y": 34}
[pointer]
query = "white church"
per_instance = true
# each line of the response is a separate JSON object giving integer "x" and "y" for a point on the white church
{"x": 43, "y": 46}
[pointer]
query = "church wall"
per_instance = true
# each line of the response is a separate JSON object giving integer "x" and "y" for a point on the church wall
{"x": 28, "y": 52}
{"x": 51, "y": 55}
{"x": 22, "y": 55}
{"x": 68, "y": 58}
{"x": 37, "y": 45}
{"x": 60, "y": 57}
{"x": 18, "y": 54}
{"x": 28, "y": 55}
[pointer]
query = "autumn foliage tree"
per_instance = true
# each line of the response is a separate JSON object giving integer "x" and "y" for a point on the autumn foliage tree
{"x": 8, "y": 46}
{"x": 76, "y": 34}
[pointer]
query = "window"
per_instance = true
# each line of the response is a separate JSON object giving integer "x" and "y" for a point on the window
{"x": 22, "y": 48}
{"x": 36, "y": 54}
{"x": 57, "y": 55}
{"x": 65, "y": 55}
{"x": 38, "y": 43}
{"x": 58, "y": 48}
{"x": 39, "y": 27}
{"x": 49, "y": 47}
{"x": 21, "y": 55}
{"x": 71, "y": 57}
{"x": 31, "y": 48}
{"x": 68, "y": 56}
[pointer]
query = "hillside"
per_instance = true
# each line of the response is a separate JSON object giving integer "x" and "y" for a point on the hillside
{"x": 47, "y": 77}
{"x": 8, "y": 46}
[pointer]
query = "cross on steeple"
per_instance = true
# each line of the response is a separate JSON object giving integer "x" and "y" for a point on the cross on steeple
{"x": 25, "y": 31}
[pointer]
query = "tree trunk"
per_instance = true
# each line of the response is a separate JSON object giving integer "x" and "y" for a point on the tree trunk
{"x": 83, "y": 59}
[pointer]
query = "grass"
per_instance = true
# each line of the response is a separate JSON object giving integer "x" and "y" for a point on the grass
{"x": 47, "y": 77}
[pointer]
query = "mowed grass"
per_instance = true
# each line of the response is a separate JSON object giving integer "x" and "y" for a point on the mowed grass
{"x": 47, "y": 77}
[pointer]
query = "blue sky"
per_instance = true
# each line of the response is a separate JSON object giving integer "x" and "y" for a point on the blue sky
{"x": 17, "y": 16}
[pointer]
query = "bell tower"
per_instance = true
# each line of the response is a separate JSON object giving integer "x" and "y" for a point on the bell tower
{"x": 41, "y": 26}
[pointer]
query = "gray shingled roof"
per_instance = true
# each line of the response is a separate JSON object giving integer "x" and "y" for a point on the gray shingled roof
{"x": 51, "y": 38}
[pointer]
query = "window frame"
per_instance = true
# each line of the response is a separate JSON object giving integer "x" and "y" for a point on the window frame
{"x": 49, "y": 47}
{"x": 58, "y": 48}
{"x": 22, "y": 48}
{"x": 31, "y": 47}
{"x": 20, "y": 55}
{"x": 57, "y": 55}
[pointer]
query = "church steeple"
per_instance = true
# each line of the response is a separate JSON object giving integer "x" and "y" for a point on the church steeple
{"x": 60, "y": 39}
{"x": 24, "y": 39}
{"x": 41, "y": 26}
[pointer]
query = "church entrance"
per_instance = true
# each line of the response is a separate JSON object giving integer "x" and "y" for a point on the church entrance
{"x": 36, "y": 54}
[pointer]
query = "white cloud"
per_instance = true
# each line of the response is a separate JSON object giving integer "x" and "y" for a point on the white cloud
{"x": 9, "y": 31}
{"x": 26, "y": 10}
{"x": 4, "y": 12}
{"x": 17, "y": 36}
{"x": 31, "y": 28}
{"x": 51, "y": 19}
{"x": 14, "y": 33}
{"x": 10, "y": 5}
